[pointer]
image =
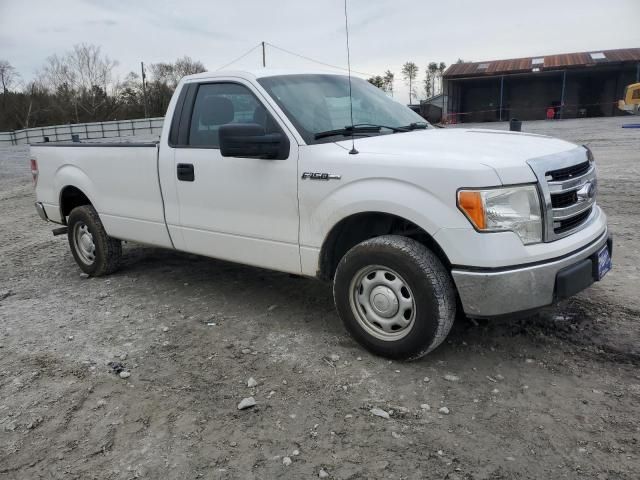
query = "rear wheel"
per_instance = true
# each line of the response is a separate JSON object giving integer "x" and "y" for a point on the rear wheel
{"x": 95, "y": 252}
{"x": 395, "y": 297}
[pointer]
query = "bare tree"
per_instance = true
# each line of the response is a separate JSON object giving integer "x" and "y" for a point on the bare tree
{"x": 187, "y": 66}
{"x": 388, "y": 82}
{"x": 376, "y": 80}
{"x": 81, "y": 69}
{"x": 8, "y": 76}
{"x": 163, "y": 73}
{"x": 410, "y": 73}
{"x": 80, "y": 86}
{"x": 24, "y": 110}
{"x": 85, "y": 76}
{"x": 430, "y": 79}
{"x": 441, "y": 68}
{"x": 433, "y": 78}
{"x": 172, "y": 73}
{"x": 427, "y": 85}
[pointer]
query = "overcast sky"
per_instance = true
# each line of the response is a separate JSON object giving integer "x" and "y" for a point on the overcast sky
{"x": 384, "y": 33}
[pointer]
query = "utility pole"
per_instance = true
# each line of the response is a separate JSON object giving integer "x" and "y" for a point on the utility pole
{"x": 144, "y": 90}
{"x": 264, "y": 61}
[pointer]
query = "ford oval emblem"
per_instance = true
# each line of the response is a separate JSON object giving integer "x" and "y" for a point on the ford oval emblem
{"x": 587, "y": 192}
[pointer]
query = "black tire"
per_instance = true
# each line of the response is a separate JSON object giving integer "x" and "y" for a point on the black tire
{"x": 431, "y": 294}
{"x": 107, "y": 251}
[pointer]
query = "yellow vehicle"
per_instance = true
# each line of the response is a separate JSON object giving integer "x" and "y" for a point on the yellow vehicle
{"x": 631, "y": 101}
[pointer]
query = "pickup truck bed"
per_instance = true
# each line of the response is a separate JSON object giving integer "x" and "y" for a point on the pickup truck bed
{"x": 123, "y": 179}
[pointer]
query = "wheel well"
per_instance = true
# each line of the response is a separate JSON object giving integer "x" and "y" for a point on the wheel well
{"x": 70, "y": 198}
{"x": 362, "y": 226}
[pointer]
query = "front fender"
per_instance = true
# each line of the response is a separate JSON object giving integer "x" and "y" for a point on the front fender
{"x": 383, "y": 195}
{"x": 372, "y": 195}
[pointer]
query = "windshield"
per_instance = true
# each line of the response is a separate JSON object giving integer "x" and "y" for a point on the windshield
{"x": 319, "y": 103}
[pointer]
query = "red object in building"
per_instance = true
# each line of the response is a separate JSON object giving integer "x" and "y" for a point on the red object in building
{"x": 551, "y": 113}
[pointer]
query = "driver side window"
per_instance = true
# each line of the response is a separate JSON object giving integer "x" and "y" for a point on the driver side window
{"x": 218, "y": 104}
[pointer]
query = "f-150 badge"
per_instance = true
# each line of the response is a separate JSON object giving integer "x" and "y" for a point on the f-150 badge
{"x": 320, "y": 176}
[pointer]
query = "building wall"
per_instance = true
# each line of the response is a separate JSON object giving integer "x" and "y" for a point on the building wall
{"x": 480, "y": 101}
{"x": 528, "y": 98}
{"x": 588, "y": 92}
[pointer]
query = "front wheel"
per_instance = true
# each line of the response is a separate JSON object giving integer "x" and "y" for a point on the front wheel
{"x": 395, "y": 297}
{"x": 95, "y": 252}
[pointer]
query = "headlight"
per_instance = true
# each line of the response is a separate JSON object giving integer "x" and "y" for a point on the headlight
{"x": 515, "y": 209}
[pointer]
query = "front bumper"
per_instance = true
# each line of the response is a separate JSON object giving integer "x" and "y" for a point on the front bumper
{"x": 493, "y": 292}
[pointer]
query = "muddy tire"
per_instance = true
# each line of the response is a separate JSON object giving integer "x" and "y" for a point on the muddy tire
{"x": 95, "y": 252}
{"x": 395, "y": 297}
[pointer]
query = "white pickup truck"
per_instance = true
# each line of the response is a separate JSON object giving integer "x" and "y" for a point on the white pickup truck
{"x": 411, "y": 223}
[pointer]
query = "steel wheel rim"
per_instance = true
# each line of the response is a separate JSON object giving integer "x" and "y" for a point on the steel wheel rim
{"x": 83, "y": 243}
{"x": 382, "y": 302}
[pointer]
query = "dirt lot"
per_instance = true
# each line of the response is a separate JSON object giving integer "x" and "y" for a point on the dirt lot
{"x": 553, "y": 396}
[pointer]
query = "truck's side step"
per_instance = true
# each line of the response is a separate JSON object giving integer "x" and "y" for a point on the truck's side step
{"x": 60, "y": 231}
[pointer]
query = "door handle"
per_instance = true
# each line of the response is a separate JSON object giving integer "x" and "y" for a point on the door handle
{"x": 186, "y": 172}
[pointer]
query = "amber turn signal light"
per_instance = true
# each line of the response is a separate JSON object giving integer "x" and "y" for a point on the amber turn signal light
{"x": 471, "y": 204}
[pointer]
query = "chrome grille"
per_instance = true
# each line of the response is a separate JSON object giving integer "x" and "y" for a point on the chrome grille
{"x": 566, "y": 199}
{"x": 568, "y": 187}
{"x": 569, "y": 224}
{"x": 568, "y": 172}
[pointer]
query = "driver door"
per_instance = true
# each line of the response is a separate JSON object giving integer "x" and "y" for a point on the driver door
{"x": 239, "y": 209}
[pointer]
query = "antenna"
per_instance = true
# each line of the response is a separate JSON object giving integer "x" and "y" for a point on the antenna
{"x": 353, "y": 150}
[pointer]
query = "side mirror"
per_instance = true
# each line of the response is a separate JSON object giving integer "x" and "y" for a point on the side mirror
{"x": 249, "y": 140}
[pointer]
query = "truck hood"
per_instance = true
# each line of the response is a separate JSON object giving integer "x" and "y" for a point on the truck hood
{"x": 505, "y": 152}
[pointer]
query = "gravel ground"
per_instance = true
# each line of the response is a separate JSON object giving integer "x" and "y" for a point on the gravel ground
{"x": 556, "y": 395}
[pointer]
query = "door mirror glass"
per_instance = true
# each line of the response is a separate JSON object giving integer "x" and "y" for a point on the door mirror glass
{"x": 250, "y": 140}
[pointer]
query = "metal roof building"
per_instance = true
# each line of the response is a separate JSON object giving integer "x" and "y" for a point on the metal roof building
{"x": 583, "y": 84}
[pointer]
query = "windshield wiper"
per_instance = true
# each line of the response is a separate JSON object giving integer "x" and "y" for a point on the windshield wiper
{"x": 393, "y": 129}
{"x": 359, "y": 128}
{"x": 347, "y": 131}
{"x": 416, "y": 126}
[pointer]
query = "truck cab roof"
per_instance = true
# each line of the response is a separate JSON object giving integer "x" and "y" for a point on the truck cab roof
{"x": 258, "y": 73}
